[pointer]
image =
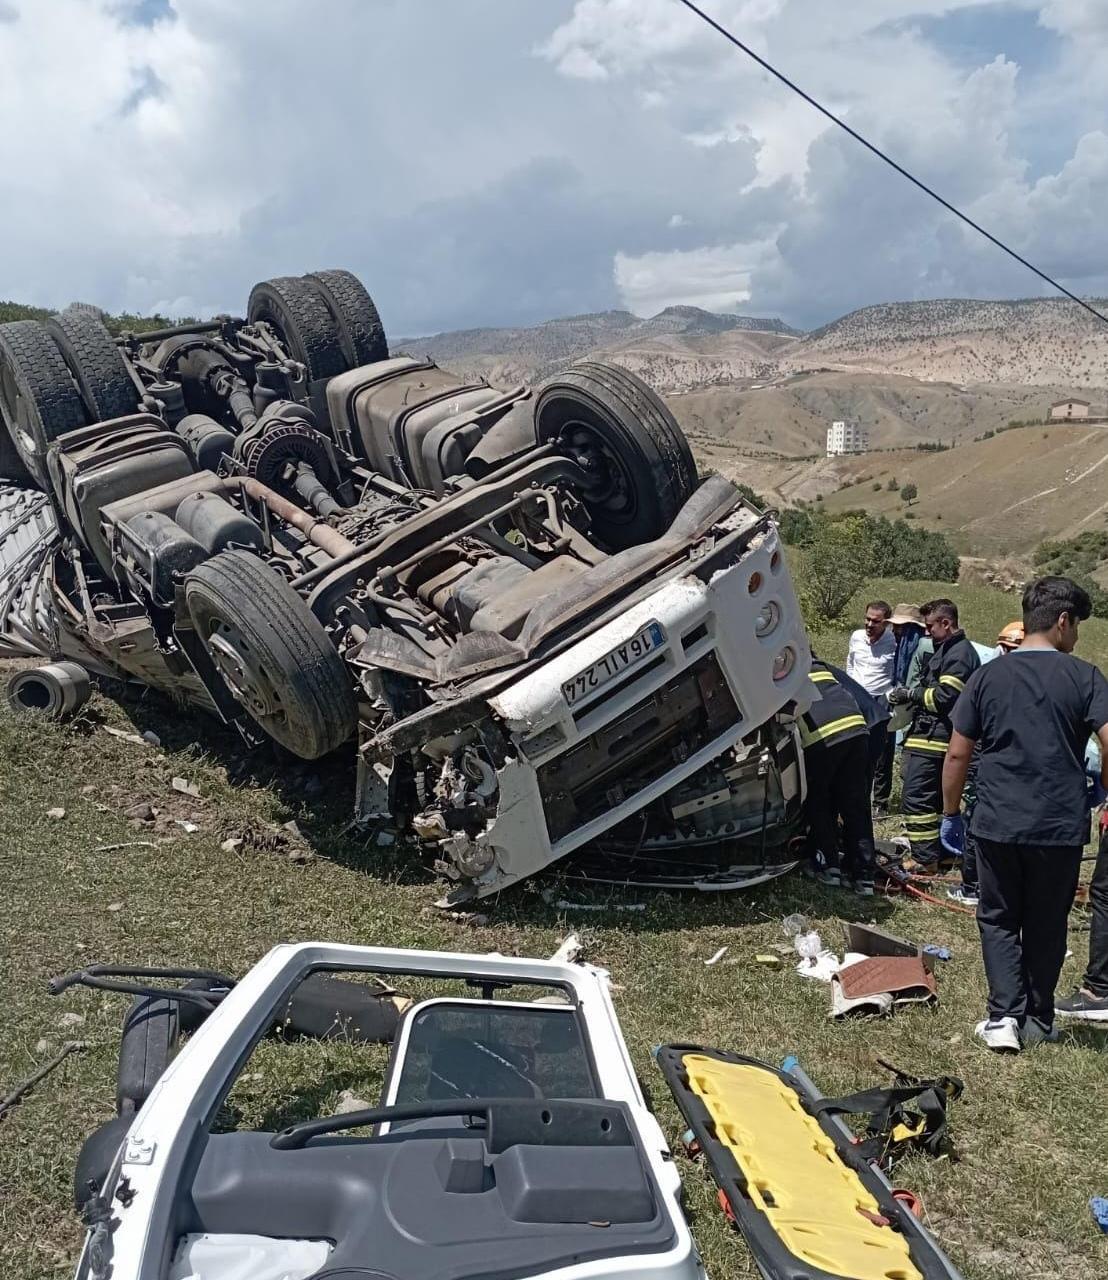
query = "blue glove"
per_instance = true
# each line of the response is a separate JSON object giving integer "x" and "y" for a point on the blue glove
{"x": 952, "y": 834}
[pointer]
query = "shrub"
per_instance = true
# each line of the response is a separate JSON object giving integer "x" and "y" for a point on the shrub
{"x": 839, "y": 560}
{"x": 909, "y": 494}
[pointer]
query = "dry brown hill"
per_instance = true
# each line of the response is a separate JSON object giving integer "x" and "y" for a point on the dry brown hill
{"x": 1040, "y": 342}
{"x": 678, "y": 348}
{"x": 995, "y": 498}
{"x": 790, "y": 415}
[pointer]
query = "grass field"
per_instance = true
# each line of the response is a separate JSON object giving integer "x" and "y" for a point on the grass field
{"x": 1031, "y": 1132}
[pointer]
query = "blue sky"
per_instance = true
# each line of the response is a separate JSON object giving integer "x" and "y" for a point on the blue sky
{"x": 504, "y": 161}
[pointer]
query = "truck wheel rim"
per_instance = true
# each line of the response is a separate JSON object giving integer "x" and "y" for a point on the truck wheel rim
{"x": 243, "y": 671}
{"x": 609, "y": 486}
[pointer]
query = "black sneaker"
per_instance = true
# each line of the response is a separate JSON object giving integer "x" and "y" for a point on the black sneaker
{"x": 1084, "y": 1005}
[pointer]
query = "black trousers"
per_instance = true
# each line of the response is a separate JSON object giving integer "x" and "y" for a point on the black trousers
{"x": 882, "y": 751}
{"x": 1025, "y": 898}
{"x": 1096, "y": 976}
{"x": 921, "y": 803}
{"x": 838, "y": 787}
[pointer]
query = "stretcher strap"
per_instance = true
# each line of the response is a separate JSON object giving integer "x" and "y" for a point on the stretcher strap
{"x": 892, "y": 1126}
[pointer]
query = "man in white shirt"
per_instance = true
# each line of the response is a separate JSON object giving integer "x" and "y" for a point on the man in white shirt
{"x": 869, "y": 660}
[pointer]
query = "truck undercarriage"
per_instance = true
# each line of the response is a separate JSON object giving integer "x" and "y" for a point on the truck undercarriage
{"x": 538, "y": 628}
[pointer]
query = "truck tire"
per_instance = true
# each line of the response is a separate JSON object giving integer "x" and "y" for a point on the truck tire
{"x": 38, "y": 399}
{"x": 151, "y": 1031}
{"x": 640, "y": 465}
{"x": 296, "y": 310}
{"x": 354, "y": 312}
{"x": 274, "y": 655}
{"x": 97, "y": 365}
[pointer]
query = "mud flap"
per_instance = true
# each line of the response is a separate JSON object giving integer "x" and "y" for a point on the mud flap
{"x": 808, "y": 1204}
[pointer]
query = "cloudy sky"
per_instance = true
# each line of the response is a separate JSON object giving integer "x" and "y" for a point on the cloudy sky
{"x": 504, "y": 161}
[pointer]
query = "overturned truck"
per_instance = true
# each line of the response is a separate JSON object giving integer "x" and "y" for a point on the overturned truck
{"x": 535, "y": 625}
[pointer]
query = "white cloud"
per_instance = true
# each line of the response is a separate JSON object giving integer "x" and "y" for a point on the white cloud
{"x": 717, "y": 279}
{"x": 489, "y": 161}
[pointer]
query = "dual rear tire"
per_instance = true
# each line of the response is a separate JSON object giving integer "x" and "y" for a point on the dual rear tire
{"x": 55, "y": 377}
{"x": 326, "y": 320}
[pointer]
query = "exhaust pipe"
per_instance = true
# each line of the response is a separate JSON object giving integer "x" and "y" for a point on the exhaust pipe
{"x": 57, "y": 691}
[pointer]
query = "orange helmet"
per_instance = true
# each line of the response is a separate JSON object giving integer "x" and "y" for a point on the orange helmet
{"x": 1011, "y": 635}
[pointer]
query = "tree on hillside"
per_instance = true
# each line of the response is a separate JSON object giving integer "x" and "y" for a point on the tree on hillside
{"x": 892, "y": 486}
{"x": 909, "y": 494}
{"x": 839, "y": 560}
{"x": 795, "y": 526}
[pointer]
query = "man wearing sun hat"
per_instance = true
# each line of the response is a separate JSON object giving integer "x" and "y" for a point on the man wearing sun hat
{"x": 912, "y": 646}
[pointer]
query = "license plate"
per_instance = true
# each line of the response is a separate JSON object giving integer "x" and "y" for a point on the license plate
{"x": 612, "y": 664}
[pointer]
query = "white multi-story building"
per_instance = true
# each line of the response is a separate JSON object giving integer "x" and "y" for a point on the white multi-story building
{"x": 846, "y": 437}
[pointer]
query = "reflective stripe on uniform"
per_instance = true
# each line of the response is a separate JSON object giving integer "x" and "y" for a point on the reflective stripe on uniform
{"x": 809, "y": 736}
{"x": 929, "y": 699}
{"x": 953, "y": 681}
{"x": 917, "y": 819}
{"x": 923, "y": 835}
{"x": 821, "y": 677}
{"x": 925, "y": 744}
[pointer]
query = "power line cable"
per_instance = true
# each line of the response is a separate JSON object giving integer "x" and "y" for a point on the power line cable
{"x": 881, "y": 155}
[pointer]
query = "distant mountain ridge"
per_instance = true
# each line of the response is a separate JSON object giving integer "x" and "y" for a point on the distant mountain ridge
{"x": 1028, "y": 341}
{"x": 540, "y": 349}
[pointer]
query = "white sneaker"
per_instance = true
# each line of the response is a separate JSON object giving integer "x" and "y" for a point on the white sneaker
{"x": 1001, "y": 1034}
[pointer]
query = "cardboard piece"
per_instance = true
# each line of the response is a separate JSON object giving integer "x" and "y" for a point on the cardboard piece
{"x": 905, "y": 978}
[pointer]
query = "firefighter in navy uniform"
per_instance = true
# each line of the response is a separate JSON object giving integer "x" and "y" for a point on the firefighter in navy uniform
{"x": 928, "y": 736}
{"x": 836, "y": 740}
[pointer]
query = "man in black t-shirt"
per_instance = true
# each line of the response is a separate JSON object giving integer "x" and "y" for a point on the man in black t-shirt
{"x": 1031, "y": 716}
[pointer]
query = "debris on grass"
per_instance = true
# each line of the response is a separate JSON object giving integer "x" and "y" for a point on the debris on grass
{"x": 563, "y": 904}
{"x": 144, "y": 811}
{"x": 475, "y": 919}
{"x": 21, "y": 1090}
{"x": 71, "y": 1020}
{"x": 115, "y": 906}
{"x": 189, "y": 828}
{"x": 349, "y": 1102}
{"x": 568, "y": 949}
{"x": 715, "y": 959}
{"x": 232, "y": 844}
{"x": 55, "y": 813}
{"x": 139, "y": 739}
{"x": 126, "y": 844}
{"x": 185, "y": 787}
{"x": 770, "y": 960}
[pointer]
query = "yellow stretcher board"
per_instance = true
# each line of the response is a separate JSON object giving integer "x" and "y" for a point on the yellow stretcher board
{"x": 808, "y": 1208}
